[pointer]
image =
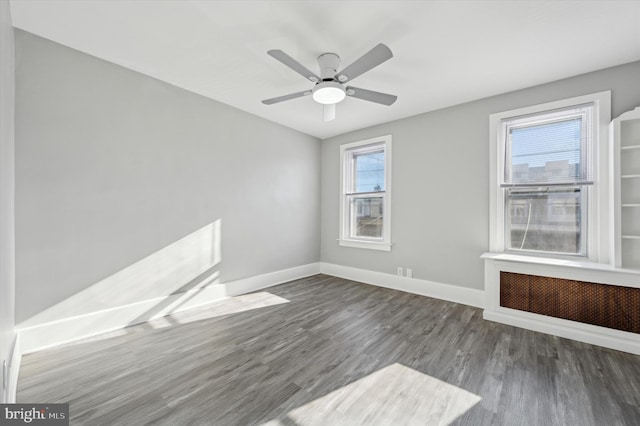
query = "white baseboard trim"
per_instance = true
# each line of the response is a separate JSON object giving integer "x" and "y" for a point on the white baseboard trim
{"x": 452, "y": 293}
{"x": 55, "y": 333}
{"x": 14, "y": 370}
{"x": 258, "y": 282}
{"x": 594, "y": 335}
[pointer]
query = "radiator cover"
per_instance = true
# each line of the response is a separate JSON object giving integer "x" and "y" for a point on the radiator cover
{"x": 605, "y": 305}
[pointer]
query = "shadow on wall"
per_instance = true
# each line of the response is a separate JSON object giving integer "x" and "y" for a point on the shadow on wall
{"x": 181, "y": 275}
{"x": 188, "y": 292}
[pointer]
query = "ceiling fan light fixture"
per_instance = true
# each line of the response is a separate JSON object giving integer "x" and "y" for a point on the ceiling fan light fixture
{"x": 328, "y": 92}
{"x": 330, "y": 85}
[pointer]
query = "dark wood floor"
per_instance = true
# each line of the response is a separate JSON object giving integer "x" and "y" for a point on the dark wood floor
{"x": 325, "y": 351}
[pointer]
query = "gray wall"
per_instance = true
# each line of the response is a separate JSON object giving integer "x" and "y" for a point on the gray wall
{"x": 7, "y": 182}
{"x": 113, "y": 166}
{"x": 440, "y": 207}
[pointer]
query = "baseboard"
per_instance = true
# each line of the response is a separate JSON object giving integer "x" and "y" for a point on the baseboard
{"x": 594, "y": 335}
{"x": 14, "y": 370}
{"x": 452, "y": 293}
{"x": 270, "y": 279}
{"x": 55, "y": 333}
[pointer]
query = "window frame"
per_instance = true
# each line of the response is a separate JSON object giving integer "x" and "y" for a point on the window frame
{"x": 596, "y": 197}
{"x": 347, "y": 153}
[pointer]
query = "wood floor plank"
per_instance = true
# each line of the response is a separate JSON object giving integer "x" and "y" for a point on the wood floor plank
{"x": 324, "y": 350}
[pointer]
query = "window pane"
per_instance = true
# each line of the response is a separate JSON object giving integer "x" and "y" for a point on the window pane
{"x": 547, "y": 153}
{"x": 366, "y": 217}
{"x": 544, "y": 220}
{"x": 369, "y": 171}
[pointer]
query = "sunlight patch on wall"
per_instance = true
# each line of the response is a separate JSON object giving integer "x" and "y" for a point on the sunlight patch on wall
{"x": 394, "y": 395}
{"x": 168, "y": 271}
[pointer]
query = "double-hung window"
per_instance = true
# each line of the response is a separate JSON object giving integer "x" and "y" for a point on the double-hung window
{"x": 546, "y": 187}
{"x": 547, "y": 172}
{"x": 366, "y": 194}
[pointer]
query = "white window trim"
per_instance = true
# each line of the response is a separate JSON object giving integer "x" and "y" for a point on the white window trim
{"x": 598, "y": 237}
{"x": 343, "y": 240}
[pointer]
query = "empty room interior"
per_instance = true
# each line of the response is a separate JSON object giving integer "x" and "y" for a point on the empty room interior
{"x": 203, "y": 221}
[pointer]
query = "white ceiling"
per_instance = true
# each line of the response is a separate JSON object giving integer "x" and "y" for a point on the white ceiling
{"x": 445, "y": 52}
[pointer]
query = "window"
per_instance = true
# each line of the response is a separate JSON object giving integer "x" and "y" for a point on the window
{"x": 365, "y": 194}
{"x": 547, "y": 171}
{"x": 545, "y": 196}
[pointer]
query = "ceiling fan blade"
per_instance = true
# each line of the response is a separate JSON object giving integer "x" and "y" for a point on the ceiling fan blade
{"x": 369, "y": 60}
{"x": 329, "y": 112}
{"x": 294, "y": 65}
{"x": 286, "y": 97}
{"x": 370, "y": 95}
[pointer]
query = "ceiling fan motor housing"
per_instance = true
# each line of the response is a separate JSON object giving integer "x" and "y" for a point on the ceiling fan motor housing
{"x": 329, "y": 63}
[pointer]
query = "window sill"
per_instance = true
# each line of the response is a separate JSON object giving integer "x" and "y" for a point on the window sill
{"x": 371, "y": 245}
{"x": 547, "y": 261}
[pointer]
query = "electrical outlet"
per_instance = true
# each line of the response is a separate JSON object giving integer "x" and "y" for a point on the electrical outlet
{"x": 399, "y": 272}
{"x": 409, "y": 272}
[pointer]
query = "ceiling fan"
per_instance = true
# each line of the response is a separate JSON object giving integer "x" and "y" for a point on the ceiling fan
{"x": 330, "y": 86}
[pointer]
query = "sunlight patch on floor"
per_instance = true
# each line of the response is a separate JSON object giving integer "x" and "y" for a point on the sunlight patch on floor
{"x": 394, "y": 395}
{"x": 228, "y": 306}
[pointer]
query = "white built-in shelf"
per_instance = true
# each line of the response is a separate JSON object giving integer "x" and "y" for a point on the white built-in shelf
{"x": 630, "y": 147}
{"x": 625, "y": 174}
